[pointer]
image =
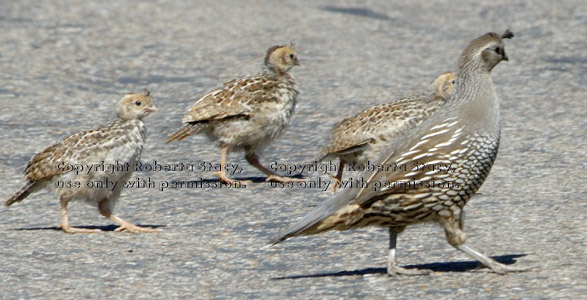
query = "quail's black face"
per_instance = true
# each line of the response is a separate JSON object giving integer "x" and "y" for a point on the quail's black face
{"x": 493, "y": 54}
{"x": 500, "y": 51}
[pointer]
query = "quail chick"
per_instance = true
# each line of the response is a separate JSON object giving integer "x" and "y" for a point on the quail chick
{"x": 448, "y": 157}
{"x": 92, "y": 165}
{"x": 247, "y": 113}
{"x": 359, "y": 139}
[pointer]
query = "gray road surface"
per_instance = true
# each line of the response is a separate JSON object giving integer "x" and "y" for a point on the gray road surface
{"x": 65, "y": 64}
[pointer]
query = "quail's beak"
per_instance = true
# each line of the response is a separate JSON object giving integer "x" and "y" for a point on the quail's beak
{"x": 151, "y": 109}
{"x": 296, "y": 62}
{"x": 505, "y": 57}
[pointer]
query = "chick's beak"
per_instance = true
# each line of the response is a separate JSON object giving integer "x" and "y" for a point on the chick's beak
{"x": 296, "y": 62}
{"x": 151, "y": 108}
{"x": 505, "y": 57}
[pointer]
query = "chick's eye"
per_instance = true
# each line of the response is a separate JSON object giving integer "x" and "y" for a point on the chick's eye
{"x": 138, "y": 103}
{"x": 291, "y": 56}
{"x": 498, "y": 50}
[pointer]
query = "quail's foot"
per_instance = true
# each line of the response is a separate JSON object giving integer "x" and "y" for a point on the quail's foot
{"x": 283, "y": 179}
{"x": 395, "y": 270}
{"x": 135, "y": 229}
{"x": 229, "y": 181}
{"x": 69, "y": 229}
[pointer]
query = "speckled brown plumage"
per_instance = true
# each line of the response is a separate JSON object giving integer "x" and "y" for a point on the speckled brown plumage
{"x": 247, "y": 113}
{"x": 359, "y": 139}
{"x": 118, "y": 142}
{"x": 448, "y": 157}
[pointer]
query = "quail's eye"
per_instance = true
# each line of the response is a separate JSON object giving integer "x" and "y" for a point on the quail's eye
{"x": 498, "y": 50}
{"x": 138, "y": 103}
{"x": 291, "y": 56}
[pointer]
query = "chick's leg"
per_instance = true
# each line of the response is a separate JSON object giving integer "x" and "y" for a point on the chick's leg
{"x": 106, "y": 211}
{"x": 338, "y": 177}
{"x": 65, "y": 220}
{"x": 224, "y": 149}
{"x": 253, "y": 159}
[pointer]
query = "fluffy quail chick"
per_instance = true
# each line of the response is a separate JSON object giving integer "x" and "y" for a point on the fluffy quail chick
{"x": 247, "y": 113}
{"x": 359, "y": 139}
{"x": 453, "y": 150}
{"x": 119, "y": 142}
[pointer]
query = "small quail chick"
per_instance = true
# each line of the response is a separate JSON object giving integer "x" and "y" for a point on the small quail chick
{"x": 247, "y": 113}
{"x": 105, "y": 154}
{"x": 448, "y": 157}
{"x": 359, "y": 139}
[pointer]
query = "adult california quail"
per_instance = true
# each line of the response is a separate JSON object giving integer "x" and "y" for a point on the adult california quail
{"x": 93, "y": 165}
{"x": 247, "y": 113}
{"x": 448, "y": 157}
{"x": 359, "y": 139}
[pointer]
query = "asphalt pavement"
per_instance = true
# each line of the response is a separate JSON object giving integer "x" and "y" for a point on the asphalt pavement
{"x": 65, "y": 64}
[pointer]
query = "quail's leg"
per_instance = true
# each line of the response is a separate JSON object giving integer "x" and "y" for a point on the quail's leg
{"x": 124, "y": 225}
{"x": 392, "y": 268}
{"x": 224, "y": 149}
{"x": 65, "y": 220}
{"x": 254, "y": 161}
{"x": 456, "y": 237}
{"x": 338, "y": 177}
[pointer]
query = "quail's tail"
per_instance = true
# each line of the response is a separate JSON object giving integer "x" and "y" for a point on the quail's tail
{"x": 184, "y": 132}
{"x": 21, "y": 194}
{"x": 316, "y": 216}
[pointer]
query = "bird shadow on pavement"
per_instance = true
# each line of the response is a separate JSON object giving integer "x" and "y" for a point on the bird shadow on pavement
{"x": 462, "y": 266}
{"x": 102, "y": 228}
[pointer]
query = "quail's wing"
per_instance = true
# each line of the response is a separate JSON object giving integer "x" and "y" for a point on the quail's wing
{"x": 418, "y": 170}
{"x": 346, "y": 138}
{"x": 383, "y": 121}
{"x": 352, "y": 134}
{"x": 236, "y": 98}
{"x": 44, "y": 164}
{"x": 93, "y": 144}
